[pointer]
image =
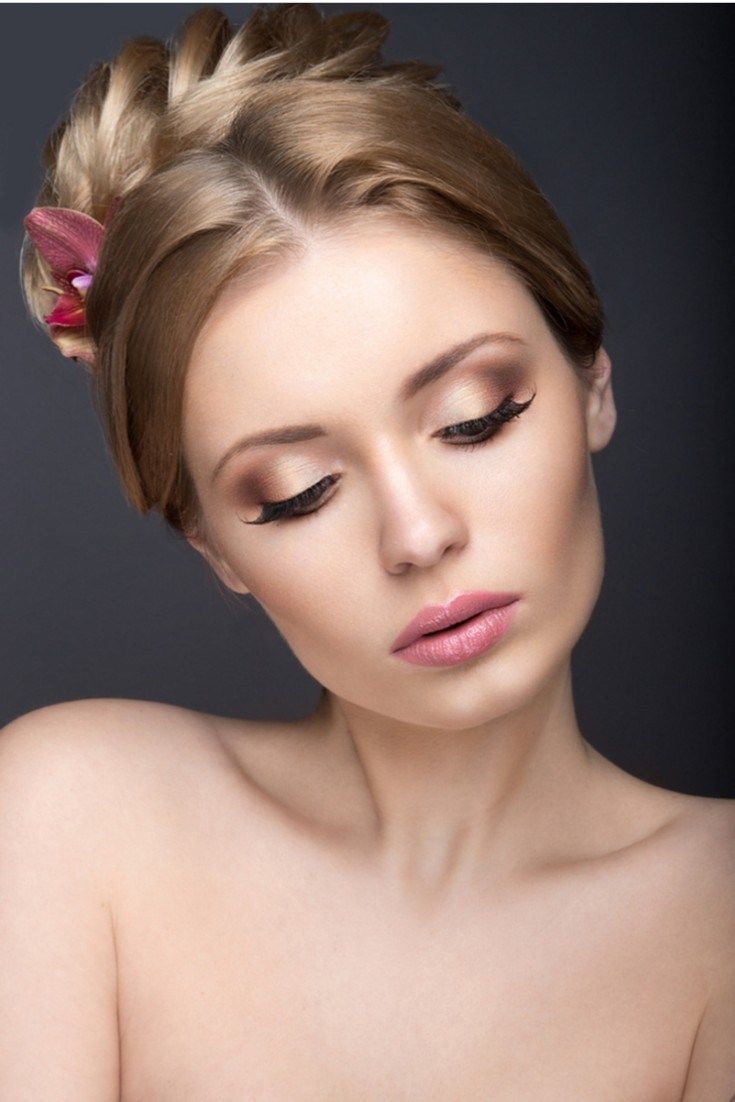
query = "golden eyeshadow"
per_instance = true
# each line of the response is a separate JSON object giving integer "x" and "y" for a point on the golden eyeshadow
{"x": 286, "y": 475}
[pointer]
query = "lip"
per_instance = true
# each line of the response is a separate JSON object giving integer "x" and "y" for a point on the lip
{"x": 438, "y": 617}
{"x": 460, "y": 643}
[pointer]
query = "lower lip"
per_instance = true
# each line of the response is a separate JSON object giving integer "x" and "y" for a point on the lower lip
{"x": 461, "y": 642}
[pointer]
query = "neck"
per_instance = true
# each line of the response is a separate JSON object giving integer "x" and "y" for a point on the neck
{"x": 438, "y": 808}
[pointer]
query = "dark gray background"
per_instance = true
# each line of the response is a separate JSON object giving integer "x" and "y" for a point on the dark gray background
{"x": 623, "y": 115}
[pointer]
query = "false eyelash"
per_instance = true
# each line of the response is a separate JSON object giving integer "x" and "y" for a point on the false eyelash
{"x": 493, "y": 420}
{"x": 489, "y": 426}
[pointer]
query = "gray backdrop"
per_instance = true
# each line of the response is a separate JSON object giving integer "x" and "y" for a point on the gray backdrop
{"x": 623, "y": 115}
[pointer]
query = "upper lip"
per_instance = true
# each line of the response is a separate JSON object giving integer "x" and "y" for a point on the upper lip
{"x": 436, "y": 617}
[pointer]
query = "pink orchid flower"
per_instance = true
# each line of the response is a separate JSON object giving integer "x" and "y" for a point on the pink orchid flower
{"x": 70, "y": 243}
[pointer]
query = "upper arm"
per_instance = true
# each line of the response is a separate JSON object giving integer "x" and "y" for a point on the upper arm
{"x": 58, "y": 976}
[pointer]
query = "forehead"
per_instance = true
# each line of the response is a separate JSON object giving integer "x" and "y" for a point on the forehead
{"x": 343, "y": 322}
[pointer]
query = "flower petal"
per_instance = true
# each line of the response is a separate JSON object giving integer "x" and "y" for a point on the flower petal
{"x": 65, "y": 238}
{"x": 69, "y": 310}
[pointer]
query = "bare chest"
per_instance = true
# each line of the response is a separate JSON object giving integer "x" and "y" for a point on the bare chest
{"x": 251, "y": 969}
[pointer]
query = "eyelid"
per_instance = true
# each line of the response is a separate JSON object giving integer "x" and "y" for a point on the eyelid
{"x": 491, "y": 381}
{"x": 286, "y": 509}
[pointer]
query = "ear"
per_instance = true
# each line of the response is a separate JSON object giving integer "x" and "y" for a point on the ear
{"x": 217, "y": 564}
{"x": 600, "y": 413}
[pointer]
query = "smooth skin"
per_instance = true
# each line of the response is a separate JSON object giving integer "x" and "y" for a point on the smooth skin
{"x": 433, "y": 887}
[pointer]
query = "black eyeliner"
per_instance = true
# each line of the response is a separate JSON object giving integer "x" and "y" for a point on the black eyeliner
{"x": 490, "y": 424}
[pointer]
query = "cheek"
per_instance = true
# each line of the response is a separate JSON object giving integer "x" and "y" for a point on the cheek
{"x": 306, "y": 587}
{"x": 564, "y": 533}
{"x": 561, "y": 503}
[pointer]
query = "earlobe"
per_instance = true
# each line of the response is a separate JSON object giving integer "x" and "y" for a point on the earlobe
{"x": 217, "y": 565}
{"x": 601, "y": 413}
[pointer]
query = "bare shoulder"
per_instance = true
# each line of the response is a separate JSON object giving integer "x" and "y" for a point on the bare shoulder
{"x": 104, "y": 724}
{"x": 705, "y": 826}
{"x": 65, "y": 744}
{"x": 105, "y": 751}
{"x": 698, "y": 837}
{"x": 86, "y": 792}
{"x": 61, "y": 831}
{"x": 680, "y": 847}
{"x": 701, "y": 852}
{"x": 711, "y": 835}
{"x": 684, "y": 864}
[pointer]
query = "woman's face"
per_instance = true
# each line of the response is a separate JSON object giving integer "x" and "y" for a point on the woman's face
{"x": 406, "y": 517}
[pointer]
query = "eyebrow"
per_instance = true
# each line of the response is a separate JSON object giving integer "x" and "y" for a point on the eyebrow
{"x": 423, "y": 377}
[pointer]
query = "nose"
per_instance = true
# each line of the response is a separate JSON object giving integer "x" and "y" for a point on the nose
{"x": 419, "y": 522}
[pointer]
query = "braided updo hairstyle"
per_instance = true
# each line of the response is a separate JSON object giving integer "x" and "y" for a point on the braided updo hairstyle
{"x": 229, "y": 148}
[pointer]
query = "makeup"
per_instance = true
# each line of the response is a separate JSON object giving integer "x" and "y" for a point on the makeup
{"x": 461, "y": 640}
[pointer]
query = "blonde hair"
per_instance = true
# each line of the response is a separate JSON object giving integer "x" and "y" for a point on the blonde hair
{"x": 229, "y": 149}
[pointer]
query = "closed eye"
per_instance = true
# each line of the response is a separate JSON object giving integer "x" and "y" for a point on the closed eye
{"x": 481, "y": 429}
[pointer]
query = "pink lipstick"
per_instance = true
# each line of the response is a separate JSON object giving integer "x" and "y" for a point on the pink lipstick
{"x": 445, "y": 635}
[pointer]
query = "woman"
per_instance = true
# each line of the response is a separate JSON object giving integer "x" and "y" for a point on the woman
{"x": 345, "y": 346}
